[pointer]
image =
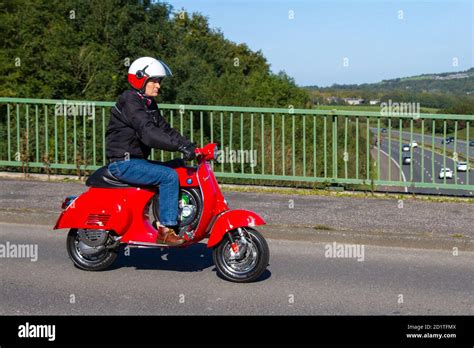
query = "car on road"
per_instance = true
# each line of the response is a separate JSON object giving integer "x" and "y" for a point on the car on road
{"x": 414, "y": 144}
{"x": 384, "y": 130}
{"x": 406, "y": 160}
{"x": 471, "y": 143}
{"x": 406, "y": 147}
{"x": 445, "y": 172}
{"x": 462, "y": 167}
{"x": 447, "y": 140}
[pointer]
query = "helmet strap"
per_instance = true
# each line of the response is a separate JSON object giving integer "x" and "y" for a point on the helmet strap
{"x": 145, "y": 98}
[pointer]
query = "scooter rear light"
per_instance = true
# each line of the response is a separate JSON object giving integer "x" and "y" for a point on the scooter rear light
{"x": 67, "y": 202}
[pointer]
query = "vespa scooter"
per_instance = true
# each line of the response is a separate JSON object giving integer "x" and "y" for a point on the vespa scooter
{"x": 112, "y": 214}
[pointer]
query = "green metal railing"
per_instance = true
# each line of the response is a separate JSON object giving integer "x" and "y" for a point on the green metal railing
{"x": 257, "y": 144}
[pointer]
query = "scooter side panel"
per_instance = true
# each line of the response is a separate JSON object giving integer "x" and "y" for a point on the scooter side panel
{"x": 97, "y": 208}
{"x": 230, "y": 220}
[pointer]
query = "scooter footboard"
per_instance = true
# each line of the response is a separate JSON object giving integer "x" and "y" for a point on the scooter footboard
{"x": 230, "y": 220}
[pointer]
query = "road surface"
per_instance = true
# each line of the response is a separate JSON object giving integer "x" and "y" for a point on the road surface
{"x": 300, "y": 279}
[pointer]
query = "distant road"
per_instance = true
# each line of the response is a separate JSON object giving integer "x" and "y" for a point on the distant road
{"x": 462, "y": 146}
{"x": 432, "y": 163}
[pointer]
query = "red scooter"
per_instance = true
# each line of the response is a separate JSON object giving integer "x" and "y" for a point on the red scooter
{"x": 112, "y": 213}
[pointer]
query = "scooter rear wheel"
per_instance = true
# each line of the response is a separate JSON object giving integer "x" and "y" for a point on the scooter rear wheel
{"x": 95, "y": 262}
{"x": 246, "y": 267}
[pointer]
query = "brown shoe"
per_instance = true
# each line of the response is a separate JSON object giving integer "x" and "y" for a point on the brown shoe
{"x": 168, "y": 236}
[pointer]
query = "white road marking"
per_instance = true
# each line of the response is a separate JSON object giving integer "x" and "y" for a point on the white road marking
{"x": 403, "y": 174}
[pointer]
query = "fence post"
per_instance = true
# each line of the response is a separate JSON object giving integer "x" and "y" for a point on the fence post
{"x": 334, "y": 146}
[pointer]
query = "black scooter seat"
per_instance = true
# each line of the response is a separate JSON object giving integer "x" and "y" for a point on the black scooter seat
{"x": 103, "y": 178}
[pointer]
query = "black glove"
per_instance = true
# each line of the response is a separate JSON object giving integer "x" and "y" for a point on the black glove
{"x": 188, "y": 151}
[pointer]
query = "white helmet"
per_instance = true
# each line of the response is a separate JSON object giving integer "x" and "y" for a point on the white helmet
{"x": 145, "y": 68}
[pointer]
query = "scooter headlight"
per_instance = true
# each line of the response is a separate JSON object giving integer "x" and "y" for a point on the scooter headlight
{"x": 216, "y": 152}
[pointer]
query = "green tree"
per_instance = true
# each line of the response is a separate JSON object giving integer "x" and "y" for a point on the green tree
{"x": 82, "y": 49}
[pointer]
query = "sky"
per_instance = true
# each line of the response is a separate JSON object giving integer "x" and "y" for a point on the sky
{"x": 347, "y": 42}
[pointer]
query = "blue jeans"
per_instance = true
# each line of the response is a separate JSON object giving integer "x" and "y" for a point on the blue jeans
{"x": 146, "y": 172}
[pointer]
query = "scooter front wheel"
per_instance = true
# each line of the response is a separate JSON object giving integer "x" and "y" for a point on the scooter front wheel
{"x": 242, "y": 255}
{"x": 98, "y": 261}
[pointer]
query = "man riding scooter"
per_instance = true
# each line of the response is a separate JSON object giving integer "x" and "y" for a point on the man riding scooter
{"x": 114, "y": 211}
{"x": 135, "y": 127}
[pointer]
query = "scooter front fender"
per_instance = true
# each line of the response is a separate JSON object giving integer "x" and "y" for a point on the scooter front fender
{"x": 230, "y": 220}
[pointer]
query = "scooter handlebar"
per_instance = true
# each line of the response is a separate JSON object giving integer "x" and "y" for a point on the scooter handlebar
{"x": 207, "y": 153}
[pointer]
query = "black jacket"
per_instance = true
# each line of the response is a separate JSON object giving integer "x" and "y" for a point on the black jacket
{"x": 136, "y": 126}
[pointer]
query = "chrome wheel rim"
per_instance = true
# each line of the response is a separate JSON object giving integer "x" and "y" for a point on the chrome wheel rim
{"x": 99, "y": 256}
{"x": 244, "y": 264}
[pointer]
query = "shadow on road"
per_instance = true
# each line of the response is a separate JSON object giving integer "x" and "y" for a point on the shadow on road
{"x": 265, "y": 275}
{"x": 194, "y": 258}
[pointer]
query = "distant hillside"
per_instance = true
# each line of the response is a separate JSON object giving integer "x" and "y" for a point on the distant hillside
{"x": 452, "y": 83}
{"x": 451, "y": 93}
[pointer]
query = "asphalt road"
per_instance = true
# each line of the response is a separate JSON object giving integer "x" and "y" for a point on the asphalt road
{"x": 415, "y": 173}
{"x": 385, "y": 221}
{"x": 299, "y": 280}
{"x": 425, "y": 167}
{"x": 460, "y": 145}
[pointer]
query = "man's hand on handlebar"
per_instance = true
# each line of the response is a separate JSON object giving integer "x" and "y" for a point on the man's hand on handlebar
{"x": 189, "y": 151}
